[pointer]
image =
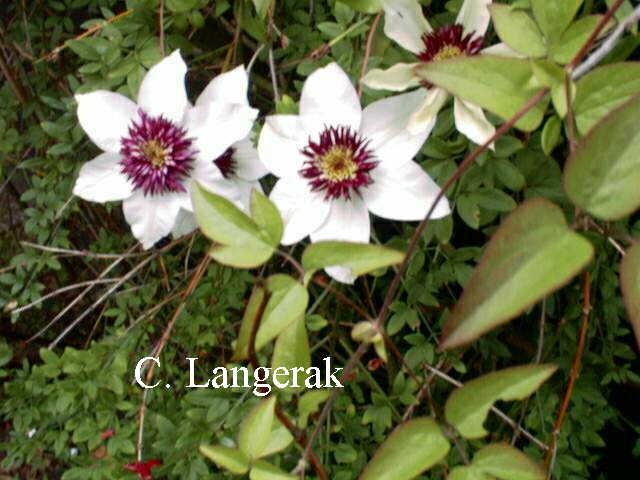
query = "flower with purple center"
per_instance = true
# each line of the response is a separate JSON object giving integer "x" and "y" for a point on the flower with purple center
{"x": 336, "y": 163}
{"x": 406, "y": 25}
{"x": 155, "y": 149}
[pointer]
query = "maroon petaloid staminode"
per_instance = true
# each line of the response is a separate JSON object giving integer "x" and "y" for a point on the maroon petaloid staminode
{"x": 226, "y": 163}
{"x": 449, "y": 42}
{"x": 157, "y": 155}
{"x": 339, "y": 164}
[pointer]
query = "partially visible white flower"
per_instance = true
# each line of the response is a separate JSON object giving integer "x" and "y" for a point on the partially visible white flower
{"x": 32, "y": 432}
{"x": 405, "y": 23}
{"x": 155, "y": 149}
{"x": 337, "y": 163}
{"x": 73, "y": 452}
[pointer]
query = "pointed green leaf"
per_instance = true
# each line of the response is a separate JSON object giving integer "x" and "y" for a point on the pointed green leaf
{"x": 554, "y": 17}
{"x": 507, "y": 463}
{"x": 251, "y": 313}
{"x": 412, "y": 448}
{"x": 532, "y": 254}
{"x": 246, "y": 245}
{"x": 574, "y": 38}
{"x": 262, "y": 470}
{"x": 255, "y": 430}
{"x": 231, "y": 459}
{"x": 518, "y": 30}
{"x": 280, "y": 439}
{"x": 467, "y": 407}
{"x": 267, "y": 217}
{"x": 630, "y": 284}
{"x": 603, "y": 174}
{"x": 603, "y": 90}
{"x": 292, "y": 350}
{"x": 551, "y": 134}
{"x": 262, "y": 7}
{"x": 499, "y": 84}
{"x": 361, "y": 258}
{"x": 287, "y": 302}
{"x": 310, "y": 403}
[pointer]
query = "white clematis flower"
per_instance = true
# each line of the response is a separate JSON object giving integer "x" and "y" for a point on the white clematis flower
{"x": 406, "y": 25}
{"x": 154, "y": 149}
{"x": 337, "y": 163}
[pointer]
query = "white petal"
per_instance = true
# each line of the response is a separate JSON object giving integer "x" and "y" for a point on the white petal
{"x": 185, "y": 224}
{"x": 470, "y": 121}
{"x": 397, "y": 78}
{"x": 384, "y": 124}
{"x": 348, "y": 221}
{"x": 404, "y": 22}
{"x": 329, "y": 99}
{"x": 248, "y": 164}
{"x": 208, "y": 175}
{"x": 404, "y": 192}
{"x": 425, "y": 117}
{"x": 105, "y": 117}
{"x": 280, "y": 143}
{"x": 230, "y": 87}
{"x": 302, "y": 211}
{"x": 217, "y": 125}
{"x": 152, "y": 217}
{"x": 501, "y": 50}
{"x": 162, "y": 91}
{"x": 100, "y": 180}
{"x": 474, "y": 16}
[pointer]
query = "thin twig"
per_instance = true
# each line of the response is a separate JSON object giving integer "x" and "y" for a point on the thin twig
{"x": 83, "y": 253}
{"x": 367, "y": 51}
{"x": 274, "y": 78}
{"x": 607, "y": 46}
{"x": 161, "y": 27}
{"x": 575, "y": 371}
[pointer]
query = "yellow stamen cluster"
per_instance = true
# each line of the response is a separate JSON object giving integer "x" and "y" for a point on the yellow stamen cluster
{"x": 448, "y": 51}
{"x": 338, "y": 164}
{"x": 155, "y": 152}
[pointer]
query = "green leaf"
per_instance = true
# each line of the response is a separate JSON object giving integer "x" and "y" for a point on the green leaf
{"x": 231, "y": 459}
{"x": 262, "y": 470}
{"x": 630, "y": 284}
{"x": 468, "y": 210}
{"x": 508, "y": 174}
{"x": 551, "y": 134}
{"x": 574, "y": 38}
{"x": 531, "y": 254}
{"x": 361, "y": 258}
{"x": 253, "y": 310}
{"x": 364, "y": 6}
{"x": 507, "y": 463}
{"x": 83, "y": 49}
{"x": 292, "y": 350}
{"x": 255, "y": 430}
{"x": 280, "y": 439}
{"x": 602, "y": 175}
{"x": 267, "y": 217}
{"x": 412, "y": 448}
{"x": 554, "y": 17}
{"x": 287, "y": 302}
{"x": 262, "y": 7}
{"x": 467, "y": 473}
{"x": 499, "y": 84}
{"x": 244, "y": 243}
{"x": 310, "y": 403}
{"x": 494, "y": 200}
{"x": 603, "y": 90}
{"x": 518, "y": 30}
{"x": 467, "y": 407}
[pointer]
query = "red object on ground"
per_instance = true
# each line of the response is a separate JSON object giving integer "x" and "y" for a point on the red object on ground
{"x": 143, "y": 469}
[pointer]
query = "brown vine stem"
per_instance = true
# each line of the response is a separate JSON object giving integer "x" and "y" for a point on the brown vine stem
{"x": 195, "y": 281}
{"x": 161, "y": 27}
{"x": 575, "y": 373}
{"x": 395, "y": 284}
{"x": 594, "y": 35}
{"x": 298, "y": 435}
{"x": 367, "y": 51}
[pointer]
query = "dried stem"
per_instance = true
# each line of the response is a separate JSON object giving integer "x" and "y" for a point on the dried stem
{"x": 367, "y": 51}
{"x": 161, "y": 27}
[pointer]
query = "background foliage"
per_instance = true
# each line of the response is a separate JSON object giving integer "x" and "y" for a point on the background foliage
{"x": 71, "y": 412}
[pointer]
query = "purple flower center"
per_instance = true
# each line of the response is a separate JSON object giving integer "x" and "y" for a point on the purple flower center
{"x": 157, "y": 155}
{"x": 226, "y": 163}
{"x": 339, "y": 163}
{"x": 449, "y": 42}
